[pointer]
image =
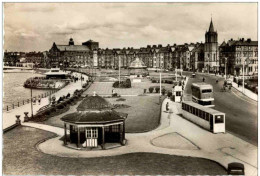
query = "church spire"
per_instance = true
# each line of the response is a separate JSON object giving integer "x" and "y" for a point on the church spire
{"x": 211, "y": 28}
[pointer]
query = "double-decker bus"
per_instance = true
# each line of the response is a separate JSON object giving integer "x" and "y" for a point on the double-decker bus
{"x": 205, "y": 117}
{"x": 202, "y": 93}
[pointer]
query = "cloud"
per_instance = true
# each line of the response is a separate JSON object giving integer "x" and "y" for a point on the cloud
{"x": 37, "y": 7}
{"x": 124, "y": 24}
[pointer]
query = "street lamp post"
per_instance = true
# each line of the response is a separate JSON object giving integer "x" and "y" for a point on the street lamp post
{"x": 208, "y": 64}
{"x": 225, "y": 68}
{"x": 31, "y": 101}
{"x": 176, "y": 73}
{"x": 243, "y": 89}
{"x": 160, "y": 86}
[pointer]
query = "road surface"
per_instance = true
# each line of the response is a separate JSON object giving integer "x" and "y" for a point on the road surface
{"x": 241, "y": 111}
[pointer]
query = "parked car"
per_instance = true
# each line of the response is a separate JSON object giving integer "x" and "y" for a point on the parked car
{"x": 229, "y": 82}
{"x": 193, "y": 75}
{"x": 236, "y": 169}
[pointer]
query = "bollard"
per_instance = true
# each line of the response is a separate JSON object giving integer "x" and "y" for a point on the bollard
{"x": 18, "y": 121}
{"x": 23, "y": 102}
{"x": 18, "y": 104}
{"x": 26, "y": 118}
{"x": 6, "y": 108}
{"x": 28, "y": 100}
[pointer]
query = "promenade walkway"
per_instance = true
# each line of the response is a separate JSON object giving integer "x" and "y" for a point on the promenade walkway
{"x": 9, "y": 116}
{"x": 222, "y": 148}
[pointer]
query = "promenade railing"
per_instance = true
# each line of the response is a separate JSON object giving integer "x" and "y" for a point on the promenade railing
{"x": 29, "y": 100}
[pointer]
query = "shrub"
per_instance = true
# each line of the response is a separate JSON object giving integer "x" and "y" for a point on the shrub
{"x": 166, "y": 81}
{"x": 116, "y": 84}
{"x": 120, "y": 99}
{"x": 60, "y": 106}
{"x": 64, "y": 104}
{"x": 151, "y": 89}
{"x": 128, "y": 83}
{"x": 172, "y": 98}
{"x": 163, "y": 91}
{"x": 157, "y": 89}
{"x": 47, "y": 112}
{"x": 153, "y": 81}
{"x": 114, "y": 95}
{"x": 53, "y": 109}
{"x": 169, "y": 94}
{"x": 123, "y": 84}
{"x": 170, "y": 82}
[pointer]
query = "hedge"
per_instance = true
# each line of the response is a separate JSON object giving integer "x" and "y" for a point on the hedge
{"x": 151, "y": 89}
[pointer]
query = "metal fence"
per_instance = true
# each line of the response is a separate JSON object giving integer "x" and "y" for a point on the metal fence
{"x": 29, "y": 100}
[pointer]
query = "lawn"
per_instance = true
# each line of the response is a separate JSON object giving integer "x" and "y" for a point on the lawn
{"x": 143, "y": 113}
{"x": 142, "y": 109}
{"x": 105, "y": 88}
{"x": 20, "y": 157}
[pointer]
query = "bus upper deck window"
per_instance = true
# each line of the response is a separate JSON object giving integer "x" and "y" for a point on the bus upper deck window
{"x": 219, "y": 119}
{"x": 206, "y": 91}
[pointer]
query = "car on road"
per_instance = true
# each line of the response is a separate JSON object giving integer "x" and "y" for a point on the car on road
{"x": 193, "y": 75}
{"x": 236, "y": 169}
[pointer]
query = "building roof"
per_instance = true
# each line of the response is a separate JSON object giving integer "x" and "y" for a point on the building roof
{"x": 73, "y": 48}
{"x": 241, "y": 42}
{"x": 246, "y": 43}
{"x": 202, "y": 85}
{"x": 203, "y": 108}
{"x": 211, "y": 27}
{"x": 98, "y": 117}
{"x": 93, "y": 103}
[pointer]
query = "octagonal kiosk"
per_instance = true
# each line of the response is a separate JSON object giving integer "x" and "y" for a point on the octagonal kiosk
{"x": 177, "y": 93}
{"x": 94, "y": 125}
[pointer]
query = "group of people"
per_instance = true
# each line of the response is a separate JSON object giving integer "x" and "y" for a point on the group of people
{"x": 35, "y": 100}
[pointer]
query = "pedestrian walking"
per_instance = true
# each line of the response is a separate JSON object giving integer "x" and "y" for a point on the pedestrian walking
{"x": 167, "y": 106}
{"x": 203, "y": 79}
{"x": 39, "y": 101}
{"x": 34, "y": 100}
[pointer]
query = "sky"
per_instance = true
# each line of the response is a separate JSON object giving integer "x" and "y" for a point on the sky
{"x": 35, "y": 26}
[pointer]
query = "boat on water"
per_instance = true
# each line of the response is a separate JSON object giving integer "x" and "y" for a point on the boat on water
{"x": 56, "y": 73}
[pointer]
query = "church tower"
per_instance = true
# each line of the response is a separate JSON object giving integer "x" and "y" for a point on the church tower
{"x": 211, "y": 61}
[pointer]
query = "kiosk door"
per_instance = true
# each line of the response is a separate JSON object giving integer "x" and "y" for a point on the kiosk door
{"x": 91, "y": 137}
